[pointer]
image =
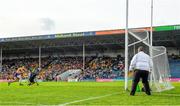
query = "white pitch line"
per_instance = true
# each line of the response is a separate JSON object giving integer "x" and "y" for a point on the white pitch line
{"x": 91, "y": 98}
{"x": 167, "y": 95}
{"x": 16, "y": 103}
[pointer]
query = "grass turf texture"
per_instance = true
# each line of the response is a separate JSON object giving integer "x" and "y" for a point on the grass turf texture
{"x": 57, "y": 93}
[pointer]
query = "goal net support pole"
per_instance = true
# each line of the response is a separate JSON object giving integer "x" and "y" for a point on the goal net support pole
{"x": 126, "y": 46}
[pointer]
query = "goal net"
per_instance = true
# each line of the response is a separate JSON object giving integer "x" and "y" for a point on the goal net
{"x": 160, "y": 73}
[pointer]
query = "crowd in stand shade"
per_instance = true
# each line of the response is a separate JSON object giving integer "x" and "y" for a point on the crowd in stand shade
{"x": 103, "y": 67}
{"x": 174, "y": 57}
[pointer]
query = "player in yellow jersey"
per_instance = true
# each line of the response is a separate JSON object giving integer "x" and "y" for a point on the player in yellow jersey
{"x": 18, "y": 75}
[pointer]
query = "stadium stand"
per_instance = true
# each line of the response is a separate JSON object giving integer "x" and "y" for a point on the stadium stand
{"x": 174, "y": 62}
{"x": 103, "y": 50}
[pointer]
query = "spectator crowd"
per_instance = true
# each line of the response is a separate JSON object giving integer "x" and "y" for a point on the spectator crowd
{"x": 104, "y": 67}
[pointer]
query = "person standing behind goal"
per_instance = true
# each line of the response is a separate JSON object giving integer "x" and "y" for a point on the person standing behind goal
{"x": 141, "y": 64}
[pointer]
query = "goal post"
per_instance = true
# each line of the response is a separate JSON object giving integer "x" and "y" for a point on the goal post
{"x": 160, "y": 74}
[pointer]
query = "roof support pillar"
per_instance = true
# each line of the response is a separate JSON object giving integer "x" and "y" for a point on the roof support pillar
{"x": 84, "y": 57}
{"x": 39, "y": 56}
{"x": 1, "y": 60}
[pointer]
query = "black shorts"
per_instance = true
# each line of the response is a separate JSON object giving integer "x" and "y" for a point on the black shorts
{"x": 32, "y": 77}
{"x": 31, "y": 80}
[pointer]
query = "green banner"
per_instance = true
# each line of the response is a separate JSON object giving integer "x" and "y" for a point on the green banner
{"x": 167, "y": 28}
{"x": 164, "y": 28}
{"x": 177, "y": 27}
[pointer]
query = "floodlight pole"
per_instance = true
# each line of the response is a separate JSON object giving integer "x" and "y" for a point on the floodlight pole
{"x": 1, "y": 60}
{"x": 83, "y": 56}
{"x": 39, "y": 56}
{"x": 126, "y": 45}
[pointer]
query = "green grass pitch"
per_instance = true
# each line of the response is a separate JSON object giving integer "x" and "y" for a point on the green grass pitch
{"x": 82, "y": 93}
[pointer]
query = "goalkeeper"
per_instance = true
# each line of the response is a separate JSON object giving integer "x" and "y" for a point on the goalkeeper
{"x": 141, "y": 63}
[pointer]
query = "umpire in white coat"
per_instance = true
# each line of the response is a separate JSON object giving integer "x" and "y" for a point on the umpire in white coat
{"x": 141, "y": 64}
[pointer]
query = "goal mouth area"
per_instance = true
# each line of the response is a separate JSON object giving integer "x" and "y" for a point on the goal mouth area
{"x": 160, "y": 72}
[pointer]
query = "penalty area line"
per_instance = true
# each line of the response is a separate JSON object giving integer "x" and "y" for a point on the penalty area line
{"x": 91, "y": 98}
